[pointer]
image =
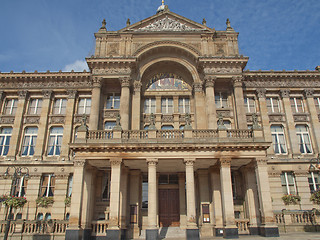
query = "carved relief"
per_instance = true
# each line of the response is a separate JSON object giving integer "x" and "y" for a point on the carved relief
{"x": 113, "y": 49}
{"x": 261, "y": 92}
{"x": 300, "y": 117}
{"x": 79, "y": 119}
{"x": 166, "y": 24}
{"x": 285, "y": 83}
{"x": 56, "y": 120}
{"x": 276, "y": 118}
{"x": 47, "y": 94}
{"x": 83, "y": 83}
{"x": 189, "y": 161}
{"x": 31, "y": 120}
{"x": 308, "y": 93}
{"x": 6, "y": 120}
{"x": 113, "y": 71}
{"x": 197, "y": 87}
{"x": 96, "y": 82}
{"x": 219, "y": 48}
{"x": 167, "y": 118}
{"x": 111, "y": 113}
{"x": 214, "y": 70}
{"x": 285, "y": 93}
{"x": 125, "y": 81}
{"x": 224, "y": 113}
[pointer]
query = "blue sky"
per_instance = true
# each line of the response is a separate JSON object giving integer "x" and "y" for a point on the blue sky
{"x": 58, "y": 34}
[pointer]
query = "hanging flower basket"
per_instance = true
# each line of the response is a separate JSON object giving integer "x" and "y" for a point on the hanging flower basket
{"x": 44, "y": 201}
{"x": 67, "y": 201}
{"x": 3, "y": 198}
{"x": 315, "y": 197}
{"x": 291, "y": 199}
{"x": 14, "y": 202}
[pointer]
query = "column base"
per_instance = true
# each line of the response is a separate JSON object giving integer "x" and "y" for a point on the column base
{"x": 73, "y": 234}
{"x": 113, "y": 234}
{"x": 230, "y": 233}
{"x": 192, "y": 234}
{"x": 254, "y": 230}
{"x": 123, "y": 234}
{"x": 269, "y": 231}
{"x": 152, "y": 234}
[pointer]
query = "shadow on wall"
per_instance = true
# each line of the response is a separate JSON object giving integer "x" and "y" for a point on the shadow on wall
{"x": 312, "y": 228}
{"x": 41, "y": 237}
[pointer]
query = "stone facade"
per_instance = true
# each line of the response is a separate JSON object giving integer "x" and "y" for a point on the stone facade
{"x": 167, "y": 129}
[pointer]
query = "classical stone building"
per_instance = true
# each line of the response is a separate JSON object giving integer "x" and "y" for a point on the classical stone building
{"x": 166, "y": 130}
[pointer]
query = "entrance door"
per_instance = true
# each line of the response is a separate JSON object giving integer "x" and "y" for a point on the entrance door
{"x": 169, "y": 209}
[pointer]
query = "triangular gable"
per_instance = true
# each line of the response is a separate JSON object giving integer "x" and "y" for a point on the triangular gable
{"x": 166, "y": 22}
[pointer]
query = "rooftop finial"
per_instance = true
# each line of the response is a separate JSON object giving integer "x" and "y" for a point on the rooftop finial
{"x": 229, "y": 25}
{"x": 103, "y": 27}
{"x": 162, "y": 8}
{"x": 162, "y": 2}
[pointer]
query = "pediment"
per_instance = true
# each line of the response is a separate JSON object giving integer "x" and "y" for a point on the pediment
{"x": 167, "y": 22}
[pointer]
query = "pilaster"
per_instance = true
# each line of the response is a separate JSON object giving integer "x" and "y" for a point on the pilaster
{"x": 125, "y": 102}
{"x": 95, "y": 104}
{"x": 200, "y": 107}
{"x": 210, "y": 102}
{"x": 136, "y": 105}
{"x": 239, "y": 101}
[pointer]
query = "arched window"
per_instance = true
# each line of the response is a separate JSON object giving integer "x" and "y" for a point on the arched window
{"x": 29, "y": 141}
{"x": 55, "y": 140}
{"x": 5, "y": 136}
{"x": 304, "y": 139}
{"x": 40, "y": 217}
{"x": 278, "y": 139}
{"x": 47, "y": 217}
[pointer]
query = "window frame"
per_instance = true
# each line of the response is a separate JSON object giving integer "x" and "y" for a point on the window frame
{"x": 287, "y": 184}
{"x": 50, "y": 186}
{"x": 12, "y": 108}
{"x": 112, "y": 97}
{"x": 150, "y": 105}
{"x": 278, "y": 142}
{"x": 249, "y": 106}
{"x": 62, "y": 107}
{"x": 314, "y": 185}
{"x": 56, "y": 141}
{"x": 219, "y": 98}
{"x": 184, "y": 105}
{"x": 21, "y": 187}
{"x": 295, "y": 105}
{"x": 86, "y": 108}
{"x": 5, "y": 140}
{"x": 272, "y": 106}
{"x": 37, "y": 108}
{"x": 304, "y": 144}
{"x": 32, "y": 139}
{"x": 165, "y": 105}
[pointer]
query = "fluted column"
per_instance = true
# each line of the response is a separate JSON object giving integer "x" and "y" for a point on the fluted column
{"x": 200, "y": 107}
{"x": 210, "y": 102}
{"x": 68, "y": 126}
{"x": 293, "y": 145}
{"x": 95, "y": 104}
{"x": 17, "y": 126}
{"x": 192, "y": 230}
{"x": 43, "y": 125}
{"x": 230, "y": 229}
{"x": 313, "y": 118}
{"x": 239, "y": 101}
{"x": 268, "y": 227}
{"x": 125, "y": 102}
{"x": 152, "y": 231}
{"x": 136, "y": 104}
{"x": 74, "y": 231}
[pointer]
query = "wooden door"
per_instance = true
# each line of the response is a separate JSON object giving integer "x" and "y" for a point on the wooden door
{"x": 169, "y": 209}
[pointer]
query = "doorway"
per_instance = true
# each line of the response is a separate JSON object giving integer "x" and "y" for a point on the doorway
{"x": 169, "y": 207}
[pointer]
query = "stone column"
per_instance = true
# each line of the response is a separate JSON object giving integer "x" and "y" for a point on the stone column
{"x": 182, "y": 197}
{"x": 113, "y": 231}
{"x": 125, "y": 102}
{"x": 17, "y": 126}
{"x": 32, "y": 194}
{"x": 303, "y": 189}
{"x": 204, "y": 192}
{"x": 136, "y": 106}
{"x": 252, "y": 201}
{"x": 152, "y": 230}
{"x": 239, "y": 101}
{"x": 268, "y": 227}
{"x": 314, "y": 119}
{"x": 230, "y": 228}
{"x": 200, "y": 107}
{"x": 210, "y": 103}
{"x": 293, "y": 145}
{"x": 192, "y": 229}
{"x": 43, "y": 125}
{"x": 261, "y": 92}
{"x": 60, "y": 190}
{"x": 216, "y": 199}
{"x": 74, "y": 231}
{"x": 124, "y": 200}
{"x": 95, "y": 104}
{"x": 135, "y": 194}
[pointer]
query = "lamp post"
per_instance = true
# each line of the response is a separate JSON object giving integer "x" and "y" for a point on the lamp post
{"x": 18, "y": 172}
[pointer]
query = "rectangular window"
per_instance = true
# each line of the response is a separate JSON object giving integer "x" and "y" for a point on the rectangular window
{"x": 288, "y": 183}
{"x": 184, "y": 105}
{"x": 304, "y": 139}
{"x": 20, "y": 187}
{"x": 297, "y": 105}
{"x": 5, "y": 136}
{"x": 35, "y": 106}
{"x": 113, "y": 101}
{"x": 206, "y": 213}
{"x": 317, "y": 103}
{"x": 84, "y": 106}
{"x": 47, "y": 185}
{"x": 29, "y": 141}
{"x": 278, "y": 140}
{"x": 10, "y": 106}
{"x": 105, "y": 186}
{"x": 273, "y": 105}
{"x": 250, "y": 105}
{"x": 59, "y": 106}
{"x": 55, "y": 140}
{"x": 150, "y": 105}
{"x": 314, "y": 183}
{"x": 70, "y": 183}
{"x": 167, "y": 105}
{"x": 221, "y": 100}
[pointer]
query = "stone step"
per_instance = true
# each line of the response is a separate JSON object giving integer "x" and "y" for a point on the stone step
{"x": 168, "y": 233}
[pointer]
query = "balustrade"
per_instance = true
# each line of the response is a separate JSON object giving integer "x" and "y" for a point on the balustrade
{"x": 205, "y": 133}
{"x": 99, "y": 228}
{"x": 243, "y": 226}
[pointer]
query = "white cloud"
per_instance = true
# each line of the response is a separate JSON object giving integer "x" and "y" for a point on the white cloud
{"x": 77, "y": 66}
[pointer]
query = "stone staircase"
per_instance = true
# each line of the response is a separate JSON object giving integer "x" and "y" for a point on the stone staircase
{"x": 168, "y": 233}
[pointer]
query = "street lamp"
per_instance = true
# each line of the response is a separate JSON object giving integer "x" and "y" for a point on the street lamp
{"x": 18, "y": 172}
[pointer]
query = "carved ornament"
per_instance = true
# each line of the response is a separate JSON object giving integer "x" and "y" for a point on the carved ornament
{"x": 261, "y": 92}
{"x": 224, "y": 113}
{"x": 167, "y": 24}
{"x": 300, "y": 117}
{"x": 109, "y": 113}
{"x": 56, "y": 120}
{"x": 189, "y": 162}
{"x": 96, "y": 82}
{"x": 6, "y": 120}
{"x": 72, "y": 94}
{"x": 285, "y": 93}
{"x": 237, "y": 81}
{"x": 308, "y": 92}
{"x": 79, "y": 119}
{"x": 113, "y": 71}
{"x": 23, "y": 94}
{"x": 79, "y": 163}
{"x": 32, "y": 120}
{"x": 276, "y": 118}
{"x": 137, "y": 86}
{"x": 152, "y": 161}
{"x": 125, "y": 81}
{"x": 197, "y": 87}
{"x": 167, "y": 118}
{"x": 47, "y": 94}
{"x": 221, "y": 70}
{"x": 115, "y": 162}
{"x": 209, "y": 81}
{"x": 225, "y": 162}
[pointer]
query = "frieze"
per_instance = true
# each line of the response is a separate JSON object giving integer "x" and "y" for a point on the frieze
{"x": 110, "y": 113}
{"x": 282, "y": 83}
{"x": 224, "y": 113}
{"x": 6, "y": 120}
{"x": 113, "y": 71}
{"x": 19, "y": 84}
{"x": 167, "y": 118}
{"x": 32, "y": 120}
{"x": 167, "y": 24}
{"x": 221, "y": 70}
{"x": 300, "y": 117}
{"x": 57, "y": 119}
{"x": 79, "y": 119}
{"x": 276, "y": 118}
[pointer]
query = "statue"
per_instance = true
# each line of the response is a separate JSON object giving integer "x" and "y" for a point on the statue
{"x": 188, "y": 121}
{"x": 255, "y": 123}
{"x": 221, "y": 125}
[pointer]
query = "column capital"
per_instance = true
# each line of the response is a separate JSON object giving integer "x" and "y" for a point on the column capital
{"x": 261, "y": 162}
{"x": 96, "y": 82}
{"x": 124, "y": 81}
{"x": 23, "y": 94}
{"x": 189, "y": 161}
{"x": 79, "y": 163}
{"x": 197, "y": 87}
{"x": 261, "y": 92}
{"x": 308, "y": 92}
{"x": 152, "y": 161}
{"x": 237, "y": 81}
{"x": 225, "y": 162}
{"x": 47, "y": 94}
{"x": 209, "y": 81}
{"x": 72, "y": 94}
{"x": 137, "y": 86}
{"x": 115, "y": 161}
{"x": 285, "y": 93}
